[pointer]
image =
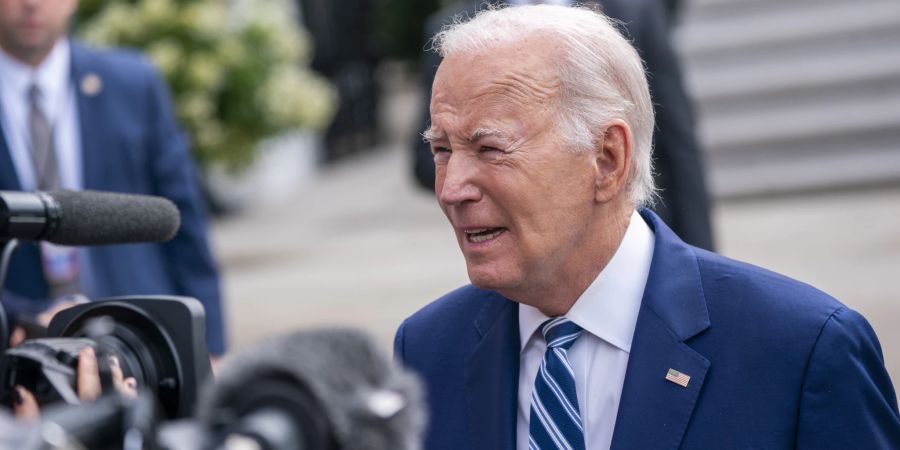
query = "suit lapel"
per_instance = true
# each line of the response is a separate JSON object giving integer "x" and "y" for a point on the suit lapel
{"x": 90, "y": 120}
{"x": 9, "y": 180}
{"x": 492, "y": 377}
{"x": 90, "y": 116}
{"x": 654, "y": 412}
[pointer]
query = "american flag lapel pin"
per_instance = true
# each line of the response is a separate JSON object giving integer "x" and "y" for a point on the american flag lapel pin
{"x": 681, "y": 379}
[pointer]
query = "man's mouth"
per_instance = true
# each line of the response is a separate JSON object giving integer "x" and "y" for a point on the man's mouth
{"x": 479, "y": 235}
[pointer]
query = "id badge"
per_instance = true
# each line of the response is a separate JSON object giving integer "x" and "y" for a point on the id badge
{"x": 60, "y": 263}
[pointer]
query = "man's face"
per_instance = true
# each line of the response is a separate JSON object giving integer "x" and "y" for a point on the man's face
{"x": 519, "y": 200}
{"x": 30, "y": 28}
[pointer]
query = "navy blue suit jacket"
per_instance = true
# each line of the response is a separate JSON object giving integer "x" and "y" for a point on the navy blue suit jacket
{"x": 774, "y": 363}
{"x": 131, "y": 143}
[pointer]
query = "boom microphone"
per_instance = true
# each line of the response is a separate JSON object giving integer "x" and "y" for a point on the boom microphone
{"x": 316, "y": 390}
{"x": 86, "y": 217}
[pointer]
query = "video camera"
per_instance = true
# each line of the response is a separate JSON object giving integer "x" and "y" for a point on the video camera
{"x": 160, "y": 341}
{"x": 319, "y": 390}
{"x": 310, "y": 390}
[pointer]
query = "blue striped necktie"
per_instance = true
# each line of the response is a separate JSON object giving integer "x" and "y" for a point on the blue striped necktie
{"x": 555, "y": 419}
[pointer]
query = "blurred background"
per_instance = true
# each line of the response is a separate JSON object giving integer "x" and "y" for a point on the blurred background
{"x": 302, "y": 115}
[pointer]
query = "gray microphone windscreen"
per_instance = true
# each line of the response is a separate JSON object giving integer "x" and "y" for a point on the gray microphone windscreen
{"x": 96, "y": 218}
{"x": 370, "y": 402}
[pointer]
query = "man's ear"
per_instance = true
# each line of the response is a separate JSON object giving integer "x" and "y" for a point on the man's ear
{"x": 613, "y": 155}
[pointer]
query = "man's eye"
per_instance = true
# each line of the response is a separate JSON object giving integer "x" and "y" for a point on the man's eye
{"x": 441, "y": 154}
{"x": 491, "y": 152}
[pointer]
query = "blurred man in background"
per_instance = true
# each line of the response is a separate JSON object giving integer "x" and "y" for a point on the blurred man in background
{"x": 75, "y": 118}
{"x": 684, "y": 202}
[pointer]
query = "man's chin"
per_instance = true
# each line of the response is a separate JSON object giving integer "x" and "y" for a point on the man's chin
{"x": 31, "y": 49}
{"x": 490, "y": 280}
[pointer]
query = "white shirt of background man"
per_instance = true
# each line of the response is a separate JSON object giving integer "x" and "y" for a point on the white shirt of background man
{"x": 57, "y": 101}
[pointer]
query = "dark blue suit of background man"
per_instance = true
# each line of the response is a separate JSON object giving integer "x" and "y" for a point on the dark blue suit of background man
{"x": 723, "y": 355}
{"x": 131, "y": 143}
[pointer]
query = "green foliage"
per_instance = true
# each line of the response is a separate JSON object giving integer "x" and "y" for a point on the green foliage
{"x": 235, "y": 78}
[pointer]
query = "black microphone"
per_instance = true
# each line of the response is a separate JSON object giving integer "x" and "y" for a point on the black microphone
{"x": 316, "y": 390}
{"x": 86, "y": 217}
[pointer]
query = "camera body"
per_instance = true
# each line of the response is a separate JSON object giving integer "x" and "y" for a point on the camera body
{"x": 158, "y": 340}
{"x": 46, "y": 367}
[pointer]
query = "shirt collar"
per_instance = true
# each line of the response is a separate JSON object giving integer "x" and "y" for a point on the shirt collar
{"x": 609, "y": 307}
{"x": 51, "y": 76}
{"x": 14, "y": 75}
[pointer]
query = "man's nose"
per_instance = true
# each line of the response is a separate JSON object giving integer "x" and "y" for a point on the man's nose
{"x": 455, "y": 182}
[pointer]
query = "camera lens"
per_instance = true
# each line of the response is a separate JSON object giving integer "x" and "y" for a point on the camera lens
{"x": 157, "y": 340}
{"x": 143, "y": 349}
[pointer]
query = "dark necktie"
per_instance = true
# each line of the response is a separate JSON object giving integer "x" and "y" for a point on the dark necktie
{"x": 555, "y": 419}
{"x": 46, "y": 168}
{"x": 60, "y": 263}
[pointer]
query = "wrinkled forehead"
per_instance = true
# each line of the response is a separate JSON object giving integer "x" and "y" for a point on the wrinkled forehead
{"x": 523, "y": 73}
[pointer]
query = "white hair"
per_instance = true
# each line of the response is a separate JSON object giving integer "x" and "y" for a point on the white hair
{"x": 602, "y": 75}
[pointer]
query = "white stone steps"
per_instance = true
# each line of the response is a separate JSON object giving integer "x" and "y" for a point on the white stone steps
{"x": 794, "y": 95}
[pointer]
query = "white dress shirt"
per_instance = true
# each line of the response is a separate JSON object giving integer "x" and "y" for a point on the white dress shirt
{"x": 57, "y": 102}
{"x": 607, "y": 311}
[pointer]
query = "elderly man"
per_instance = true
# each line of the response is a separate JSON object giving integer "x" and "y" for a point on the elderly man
{"x": 683, "y": 202}
{"x": 589, "y": 323}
